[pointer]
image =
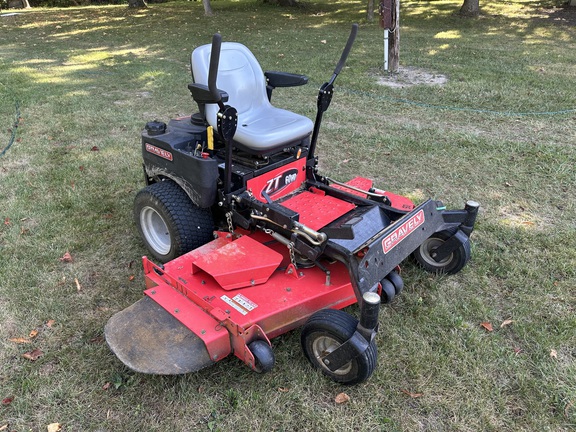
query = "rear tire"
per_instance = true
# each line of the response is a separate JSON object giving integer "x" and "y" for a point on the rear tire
{"x": 169, "y": 223}
{"x": 324, "y": 332}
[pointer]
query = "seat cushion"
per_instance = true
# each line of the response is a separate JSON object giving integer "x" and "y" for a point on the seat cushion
{"x": 261, "y": 126}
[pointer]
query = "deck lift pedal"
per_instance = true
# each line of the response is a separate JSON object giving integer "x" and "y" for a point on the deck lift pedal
{"x": 253, "y": 242}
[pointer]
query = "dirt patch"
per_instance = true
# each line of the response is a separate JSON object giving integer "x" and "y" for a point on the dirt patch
{"x": 411, "y": 76}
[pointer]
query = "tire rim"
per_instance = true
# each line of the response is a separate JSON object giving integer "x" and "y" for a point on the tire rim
{"x": 428, "y": 247}
{"x": 155, "y": 230}
{"x": 324, "y": 345}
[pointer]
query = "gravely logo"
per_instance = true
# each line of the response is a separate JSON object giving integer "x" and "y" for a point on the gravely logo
{"x": 403, "y": 231}
{"x": 282, "y": 180}
{"x": 159, "y": 152}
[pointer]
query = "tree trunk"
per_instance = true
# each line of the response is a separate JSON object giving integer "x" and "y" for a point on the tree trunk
{"x": 137, "y": 4}
{"x": 207, "y": 8}
{"x": 470, "y": 8}
{"x": 370, "y": 12}
{"x": 394, "y": 39}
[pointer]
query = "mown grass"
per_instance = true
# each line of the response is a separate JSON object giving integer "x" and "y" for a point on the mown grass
{"x": 88, "y": 79}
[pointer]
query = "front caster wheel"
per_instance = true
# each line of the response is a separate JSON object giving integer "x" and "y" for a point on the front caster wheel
{"x": 453, "y": 263}
{"x": 324, "y": 332}
{"x": 263, "y": 354}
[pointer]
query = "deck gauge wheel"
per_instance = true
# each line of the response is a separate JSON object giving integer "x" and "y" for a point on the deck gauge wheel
{"x": 263, "y": 354}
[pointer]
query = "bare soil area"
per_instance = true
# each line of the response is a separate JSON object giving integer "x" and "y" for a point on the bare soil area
{"x": 410, "y": 76}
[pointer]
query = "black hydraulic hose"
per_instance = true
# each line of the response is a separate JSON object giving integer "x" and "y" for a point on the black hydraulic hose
{"x": 14, "y": 130}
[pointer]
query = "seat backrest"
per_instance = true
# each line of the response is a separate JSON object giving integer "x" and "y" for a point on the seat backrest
{"x": 239, "y": 74}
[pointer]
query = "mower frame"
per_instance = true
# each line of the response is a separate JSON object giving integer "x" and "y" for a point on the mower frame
{"x": 291, "y": 246}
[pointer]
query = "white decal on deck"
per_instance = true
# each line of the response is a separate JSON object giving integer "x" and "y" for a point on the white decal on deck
{"x": 240, "y": 303}
{"x": 244, "y": 302}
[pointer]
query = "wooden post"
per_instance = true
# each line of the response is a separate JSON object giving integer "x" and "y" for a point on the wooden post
{"x": 394, "y": 40}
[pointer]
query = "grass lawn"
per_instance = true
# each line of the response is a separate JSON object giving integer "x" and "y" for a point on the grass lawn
{"x": 501, "y": 131}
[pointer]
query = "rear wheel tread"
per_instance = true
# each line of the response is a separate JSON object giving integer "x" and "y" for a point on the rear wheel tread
{"x": 189, "y": 226}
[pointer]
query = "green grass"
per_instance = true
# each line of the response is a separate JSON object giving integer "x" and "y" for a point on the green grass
{"x": 87, "y": 79}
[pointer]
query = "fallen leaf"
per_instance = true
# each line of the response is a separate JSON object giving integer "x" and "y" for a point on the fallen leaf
{"x": 342, "y": 398}
{"x": 506, "y": 323}
{"x": 8, "y": 400}
{"x": 50, "y": 323}
{"x": 283, "y": 389}
{"x": 67, "y": 258}
{"x": 568, "y": 406}
{"x": 95, "y": 148}
{"x": 7, "y": 221}
{"x": 54, "y": 427}
{"x": 487, "y": 326}
{"x": 33, "y": 355}
{"x": 412, "y": 395}
{"x": 78, "y": 286}
{"x": 20, "y": 340}
{"x": 131, "y": 278}
{"x": 33, "y": 334}
{"x": 553, "y": 354}
{"x": 106, "y": 386}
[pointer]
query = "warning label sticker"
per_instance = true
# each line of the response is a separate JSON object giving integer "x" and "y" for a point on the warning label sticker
{"x": 241, "y": 303}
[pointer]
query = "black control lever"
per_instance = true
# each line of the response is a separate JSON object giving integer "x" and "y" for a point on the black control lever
{"x": 345, "y": 53}
{"x": 213, "y": 70}
{"x": 327, "y": 89}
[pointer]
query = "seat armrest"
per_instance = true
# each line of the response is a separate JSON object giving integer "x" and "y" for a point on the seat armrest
{"x": 202, "y": 94}
{"x": 285, "y": 79}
